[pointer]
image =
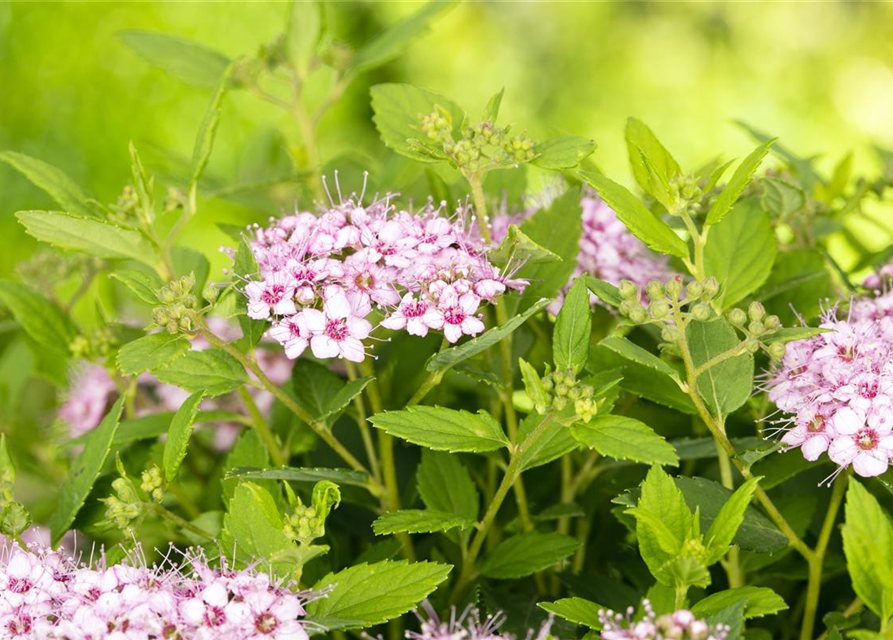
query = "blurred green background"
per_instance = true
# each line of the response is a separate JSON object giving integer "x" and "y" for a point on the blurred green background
{"x": 818, "y": 75}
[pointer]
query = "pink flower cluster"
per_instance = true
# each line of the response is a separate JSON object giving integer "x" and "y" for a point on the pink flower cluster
{"x": 608, "y": 250}
{"x": 680, "y": 625}
{"x": 322, "y": 275}
{"x": 92, "y": 390}
{"x": 467, "y": 625}
{"x": 46, "y": 596}
{"x": 837, "y": 389}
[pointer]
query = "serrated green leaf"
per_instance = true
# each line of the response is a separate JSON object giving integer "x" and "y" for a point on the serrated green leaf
{"x": 315, "y": 386}
{"x": 213, "y": 371}
{"x": 344, "y": 397}
{"x": 625, "y": 438}
{"x": 631, "y": 351}
{"x": 207, "y": 130}
{"x": 573, "y": 329}
{"x": 555, "y": 442}
{"x": 83, "y": 473}
{"x": 791, "y": 334}
{"x": 67, "y": 194}
{"x": 723, "y": 529}
{"x": 178, "y": 435}
{"x": 418, "y": 521}
{"x": 186, "y": 60}
{"x": 302, "y": 474}
{"x": 93, "y": 237}
{"x": 398, "y": 111}
{"x": 781, "y": 198}
{"x": 303, "y": 34}
{"x": 454, "y": 355}
{"x": 576, "y": 610}
{"x": 151, "y": 352}
{"x": 740, "y": 252}
{"x": 443, "y": 429}
{"x": 526, "y": 553}
{"x": 445, "y": 485}
{"x": 143, "y": 284}
{"x": 641, "y": 142}
{"x": 662, "y": 500}
{"x": 868, "y": 546}
{"x": 759, "y": 602}
{"x": 14, "y": 519}
{"x": 564, "y": 152}
{"x": 643, "y": 224}
{"x": 605, "y": 291}
{"x": 368, "y": 594}
{"x": 41, "y": 319}
{"x": 738, "y": 183}
{"x": 728, "y": 384}
{"x": 532, "y": 383}
{"x": 393, "y": 41}
{"x": 493, "y": 104}
{"x": 518, "y": 248}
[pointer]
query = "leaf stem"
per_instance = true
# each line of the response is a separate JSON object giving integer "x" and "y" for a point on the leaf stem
{"x": 816, "y": 562}
{"x": 181, "y": 522}
{"x": 363, "y": 426}
{"x": 263, "y": 429}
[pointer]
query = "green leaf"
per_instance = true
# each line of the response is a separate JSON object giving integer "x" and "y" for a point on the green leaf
{"x": 143, "y": 284}
{"x": 555, "y": 442}
{"x": 14, "y": 520}
{"x": 643, "y": 224}
{"x": 722, "y": 531}
{"x": 492, "y": 110}
{"x": 418, "y": 521}
{"x": 249, "y": 451}
{"x": 868, "y": 546}
{"x": 624, "y": 438}
{"x": 443, "y": 429}
{"x": 398, "y": 111}
{"x": 664, "y": 502}
{"x": 564, "y": 152}
{"x": 42, "y": 320}
{"x": 186, "y": 60}
{"x": 454, "y": 355}
{"x": 738, "y": 183}
{"x": 756, "y": 533}
{"x": 392, "y": 42}
{"x": 759, "y": 602}
{"x": 315, "y": 386}
{"x": 303, "y": 34}
{"x": 573, "y": 329}
{"x": 302, "y": 474}
{"x": 740, "y": 252}
{"x": 7, "y": 468}
{"x": 557, "y": 229}
{"x": 93, "y": 237}
{"x": 641, "y": 142}
{"x": 633, "y": 352}
{"x": 84, "y": 471}
{"x": 445, "y": 485}
{"x": 781, "y": 198}
{"x": 344, "y": 397}
{"x": 526, "y": 553}
{"x": 213, "y": 371}
{"x": 252, "y": 530}
{"x": 67, "y": 194}
{"x": 728, "y": 384}
{"x": 151, "y": 352}
{"x": 532, "y": 383}
{"x": 606, "y": 292}
{"x": 576, "y": 610}
{"x": 179, "y": 434}
{"x": 801, "y": 166}
{"x": 517, "y": 247}
{"x": 207, "y": 130}
{"x": 791, "y": 334}
{"x": 368, "y": 594}
{"x": 799, "y": 281}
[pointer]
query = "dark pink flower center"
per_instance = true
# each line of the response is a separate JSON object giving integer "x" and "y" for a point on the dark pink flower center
{"x": 273, "y": 294}
{"x": 868, "y": 389}
{"x": 454, "y": 315}
{"x": 215, "y": 616}
{"x": 20, "y": 624}
{"x": 816, "y": 425}
{"x": 266, "y": 623}
{"x": 846, "y": 353}
{"x": 337, "y": 329}
{"x": 22, "y": 585}
{"x": 303, "y": 274}
{"x": 414, "y": 309}
{"x": 866, "y": 439}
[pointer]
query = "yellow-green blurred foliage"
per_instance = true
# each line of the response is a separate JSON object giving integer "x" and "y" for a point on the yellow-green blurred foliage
{"x": 818, "y": 75}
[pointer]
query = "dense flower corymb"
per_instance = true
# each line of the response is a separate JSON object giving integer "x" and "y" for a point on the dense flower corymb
{"x": 320, "y": 277}
{"x": 46, "y": 596}
{"x": 679, "y": 625}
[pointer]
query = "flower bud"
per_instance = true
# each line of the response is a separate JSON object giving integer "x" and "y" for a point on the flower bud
{"x": 655, "y": 289}
{"x": 638, "y": 314}
{"x": 711, "y": 288}
{"x": 777, "y": 350}
{"x": 751, "y": 345}
{"x": 210, "y": 293}
{"x": 628, "y": 289}
{"x": 701, "y": 311}
{"x": 670, "y": 334}
{"x": 737, "y": 317}
{"x": 674, "y": 287}
{"x": 756, "y": 311}
{"x": 658, "y": 309}
{"x": 772, "y": 323}
{"x": 693, "y": 291}
{"x": 756, "y": 328}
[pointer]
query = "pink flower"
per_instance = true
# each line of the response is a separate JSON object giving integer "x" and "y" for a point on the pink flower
{"x": 292, "y": 333}
{"x": 409, "y": 315}
{"x": 339, "y": 329}
{"x": 865, "y": 441}
{"x": 273, "y": 295}
{"x": 87, "y": 399}
{"x": 680, "y": 625}
{"x": 455, "y": 315}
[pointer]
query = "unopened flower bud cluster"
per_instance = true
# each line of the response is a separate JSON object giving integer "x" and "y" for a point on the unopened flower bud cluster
{"x": 179, "y": 305}
{"x": 563, "y": 389}
{"x": 679, "y": 625}
{"x": 755, "y": 324}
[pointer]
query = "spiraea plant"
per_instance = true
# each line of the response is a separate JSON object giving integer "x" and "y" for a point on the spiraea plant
{"x": 444, "y": 402}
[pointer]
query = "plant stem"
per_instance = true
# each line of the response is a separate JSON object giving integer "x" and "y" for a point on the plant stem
{"x": 320, "y": 428}
{"x": 508, "y": 480}
{"x": 263, "y": 429}
{"x": 732, "y": 564}
{"x": 480, "y": 204}
{"x": 180, "y": 522}
{"x": 365, "y": 432}
{"x": 816, "y": 563}
{"x": 681, "y": 592}
{"x": 308, "y": 135}
{"x": 699, "y": 240}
